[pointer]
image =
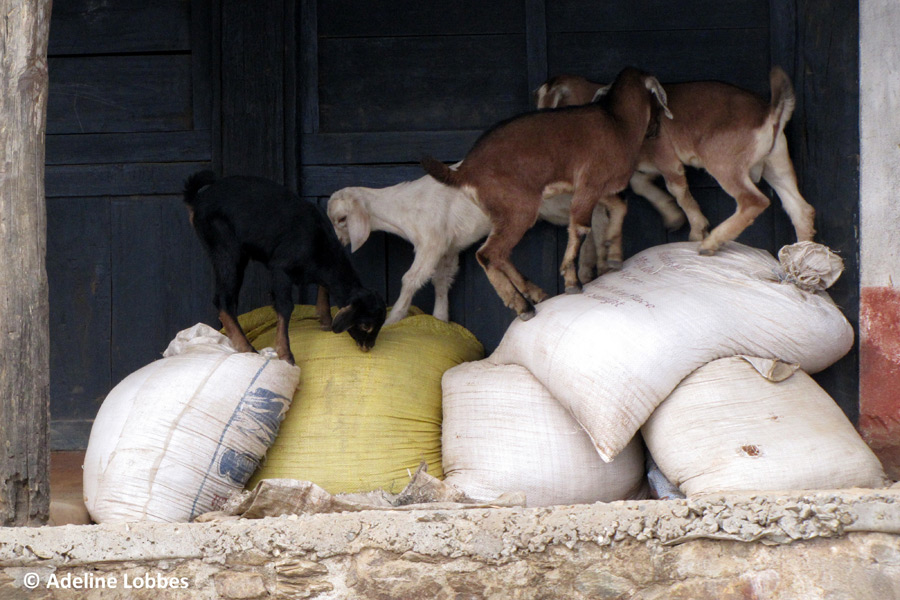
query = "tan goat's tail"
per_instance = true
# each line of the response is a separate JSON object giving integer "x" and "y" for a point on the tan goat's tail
{"x": 783, "y": 100}
{"x": 441, "y": 172}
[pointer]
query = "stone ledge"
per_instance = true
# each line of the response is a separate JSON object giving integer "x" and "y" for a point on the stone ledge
{"x": 338, "y": 555}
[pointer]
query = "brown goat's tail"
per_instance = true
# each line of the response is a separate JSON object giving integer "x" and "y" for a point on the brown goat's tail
{"x": 783, "y": 100}
{"x": 441, "y": 172}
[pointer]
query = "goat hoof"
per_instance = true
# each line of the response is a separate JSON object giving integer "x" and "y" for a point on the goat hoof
{"x": 527, "y": 315}
{"x": 707, "y": 251}
{"x": 614, "y": 265}
{"x": 573, "y": 289}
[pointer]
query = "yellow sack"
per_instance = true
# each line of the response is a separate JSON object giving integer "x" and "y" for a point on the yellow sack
{"x": 362, "y": 421}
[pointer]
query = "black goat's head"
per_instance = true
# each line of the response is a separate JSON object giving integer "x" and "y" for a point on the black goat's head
{"x": 362, "y": 319}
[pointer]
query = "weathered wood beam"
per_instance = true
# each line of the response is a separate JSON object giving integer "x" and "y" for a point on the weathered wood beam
{"x": 24, "y": 302}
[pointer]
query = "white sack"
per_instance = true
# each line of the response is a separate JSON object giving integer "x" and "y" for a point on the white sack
{"x": 503, "y": 432}
{"x": 611, "y": 354}
{"x": 727, "y": 427}
{"x": 175, "y": 438}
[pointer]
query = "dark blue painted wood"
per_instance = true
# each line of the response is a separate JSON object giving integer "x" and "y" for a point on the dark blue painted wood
{"x": 323, "y": 95}
{"x": 120, "y": 94}
{"x": 89, "y": 27}
{"x": 420, "y": 83}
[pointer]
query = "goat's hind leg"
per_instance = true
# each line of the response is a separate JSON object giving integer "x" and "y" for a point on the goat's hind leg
{"x": 581, "y": 214}
{"x": 516, "y": 292}
{"x": 779, "y": 172}
{"x": 419, "y": 273}
{"x": 283, "y": 301}
{"x": 228, "y": 266}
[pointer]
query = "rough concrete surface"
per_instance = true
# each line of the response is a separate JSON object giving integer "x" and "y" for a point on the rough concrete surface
{"x": 829, "y": 544}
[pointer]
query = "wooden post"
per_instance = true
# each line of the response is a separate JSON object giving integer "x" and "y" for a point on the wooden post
{"x": 24, "y": 302}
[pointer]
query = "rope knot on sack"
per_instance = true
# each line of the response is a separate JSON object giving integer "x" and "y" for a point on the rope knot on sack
{"x": 810, "y": 266}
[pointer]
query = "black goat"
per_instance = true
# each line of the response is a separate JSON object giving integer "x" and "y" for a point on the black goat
{"x": 249, "y": 218}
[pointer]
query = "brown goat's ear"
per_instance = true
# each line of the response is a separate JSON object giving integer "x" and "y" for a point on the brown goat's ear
{"x": 343, "y": 319}
{"x": 601, "y": 92}
{"x": 657, "y": 90}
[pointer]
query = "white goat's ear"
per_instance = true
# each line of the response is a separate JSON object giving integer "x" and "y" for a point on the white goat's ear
{"x": 657, "y": 90}
{"x": 358, "y": 226}
{"x": 601, "y": 92}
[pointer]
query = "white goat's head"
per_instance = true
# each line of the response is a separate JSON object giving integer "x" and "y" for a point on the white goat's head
{"x": 349, "y": 217}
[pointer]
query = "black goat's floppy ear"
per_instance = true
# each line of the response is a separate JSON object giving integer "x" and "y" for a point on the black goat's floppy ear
{"x": 343, "y": 319}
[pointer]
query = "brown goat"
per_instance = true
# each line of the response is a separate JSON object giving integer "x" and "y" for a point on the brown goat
{"x": 732, "y": 133}
{"x": 590, "y": 151}
{"x": 572, "y": 90}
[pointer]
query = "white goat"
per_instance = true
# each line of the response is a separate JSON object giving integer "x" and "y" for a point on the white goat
{"x": 440, "y": 222}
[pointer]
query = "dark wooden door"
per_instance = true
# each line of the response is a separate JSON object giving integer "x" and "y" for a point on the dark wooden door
{"x": 381, "y": 83}
{"x": 325, "y": 94}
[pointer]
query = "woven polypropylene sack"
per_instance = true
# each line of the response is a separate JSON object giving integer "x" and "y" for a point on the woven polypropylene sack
{"x": 504, "y": 432}
{"x": 362, "y": 421}
{"x": 732, "y": 426}
{"x": 611, "y": 354}
{"x": 177, "y": 437}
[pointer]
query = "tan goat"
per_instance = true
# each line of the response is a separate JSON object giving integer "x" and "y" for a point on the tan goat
{"x": 732, "y": 133}
{"x": 590, "y": 151}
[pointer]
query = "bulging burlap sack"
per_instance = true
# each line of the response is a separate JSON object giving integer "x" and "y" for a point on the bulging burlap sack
{"x": 504, "y": 432}
{"x": 362, "y": 421}
{"x": 742, "y": 424}
{"x": 611, "y": 354}
{"x": 177, "y": 437}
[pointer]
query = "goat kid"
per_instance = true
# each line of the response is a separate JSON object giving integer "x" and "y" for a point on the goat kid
{"x": 440, "y": 222}
{"x": 248, "y": 218}
{"x": 732, "y": 133}
{"x": 589, "y": 151}
{"x": 571, "y": 90}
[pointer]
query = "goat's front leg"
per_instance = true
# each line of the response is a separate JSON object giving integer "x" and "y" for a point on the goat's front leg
{"x": 421, "y": 271}
{"x": 642, "y": 185}
{"x": 676, "y": 183}
{"x": 617, "y": 210}
{"x": 323, "y": 308}
{"x": 750, "y": 203}
{"x": 592, "y": 258}
{"x": 282, "y": 296}
{"x": 443, "y": 279}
